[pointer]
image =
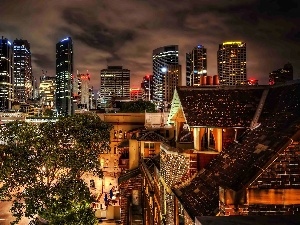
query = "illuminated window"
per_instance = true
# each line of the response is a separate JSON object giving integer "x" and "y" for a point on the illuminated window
{"x": 120, "y": 134}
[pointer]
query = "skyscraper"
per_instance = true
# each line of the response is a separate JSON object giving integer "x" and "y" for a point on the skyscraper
{"x": 47, "y": 90}
{"x": 172, "y": 79}
{"x": 162, "y": 58}
{"x": 114, "y": 82}
{"x": 6, "y": 74}
{"x": 136, "y": 94}
{"x": 23, "y": 79}
{"x": 196, "y": 65}
{"x": 147, "y": 87}
{"x": 64, "y": 73}
{"x": 84, "y": 90}
{"x": 232, "y": 63}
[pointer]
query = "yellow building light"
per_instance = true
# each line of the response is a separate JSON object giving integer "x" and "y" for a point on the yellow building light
{"x": 232, "y": 43}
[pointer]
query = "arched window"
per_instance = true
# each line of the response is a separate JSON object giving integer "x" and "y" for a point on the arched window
{"x": 120, "y": 134}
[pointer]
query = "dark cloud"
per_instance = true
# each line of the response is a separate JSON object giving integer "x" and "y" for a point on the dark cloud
{"x": 43, "y": 61}
{"x": 94, "y": 33}
{"x": 294, "y": 34}
{"x": 124, "y": 33}
{"x": 275, "y": 8}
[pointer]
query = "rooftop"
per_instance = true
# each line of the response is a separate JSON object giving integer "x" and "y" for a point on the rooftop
{"x": 242, "y": 162}
{"x": 219, "y": 106}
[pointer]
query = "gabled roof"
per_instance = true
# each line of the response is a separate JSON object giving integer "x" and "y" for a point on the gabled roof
{"x": 136, "y": 129}
{"x": 236, "y": 167}
{"x": 175, "y": 108}
{"x": 152, "y": 136}
{"x": 219, "y": 106}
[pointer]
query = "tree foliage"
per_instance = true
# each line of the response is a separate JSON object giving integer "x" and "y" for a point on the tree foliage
{"x": 137, "y": 107}
{"x": 48, "y": 112}
{"x": 42, "y": 167}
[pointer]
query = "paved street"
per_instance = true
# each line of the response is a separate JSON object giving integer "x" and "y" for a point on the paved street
{"x": 6, "y": 217}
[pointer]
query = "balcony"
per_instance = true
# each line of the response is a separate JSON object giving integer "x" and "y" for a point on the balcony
{"x": 124, "y": 163}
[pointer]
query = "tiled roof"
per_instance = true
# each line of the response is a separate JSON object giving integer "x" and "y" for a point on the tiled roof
{"x": 238, "y": 165}
{"x": 152, "y": 136}
{"x": 219, "y": 106}
{"x": 136, "y": 129}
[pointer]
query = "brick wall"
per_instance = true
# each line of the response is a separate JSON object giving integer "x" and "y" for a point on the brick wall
{"x": 126, "y": 188}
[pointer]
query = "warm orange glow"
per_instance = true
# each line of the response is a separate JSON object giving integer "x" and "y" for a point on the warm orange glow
{"x": 85, "y": 76}
{"x": 274, "y": 196}
{"x": 135, "y": 89}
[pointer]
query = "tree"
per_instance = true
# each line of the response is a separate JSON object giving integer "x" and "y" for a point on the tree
{"x": 42, "y": 167}
{"x": 48, "y": 112}
{"x": 137, "y": 107}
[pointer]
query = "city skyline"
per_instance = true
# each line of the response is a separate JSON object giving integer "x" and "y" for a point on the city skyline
{"x": 125, "y": 34}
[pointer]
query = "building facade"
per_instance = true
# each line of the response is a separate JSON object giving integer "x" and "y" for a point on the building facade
{"x": 172, "y": 80}
{"x": 136, "y": 94}
{"x": 232, "y": 63}
{"x": 23, "y": 79}
{"x": 47, "y": 90}
{"x": 64, "y": 77}
{"x": 114, "y": 82}
{"x": 92, "y": 98}
{"x": 162, "y": 58}
{"x": 147, "y": 87}
{"x": 281, "y": 75}
{"x": 196, "y": 65}
{"x": 6, "y": 74}
{"x": 81, "y": 91}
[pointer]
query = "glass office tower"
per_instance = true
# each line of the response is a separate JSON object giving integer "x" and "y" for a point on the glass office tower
{"x": 6, "y": 74}
{"x": 23, "y": 79}
{"x": 162, "y": 58}
{"x": 64, "y": 79}
{"x": 196, "y": 65}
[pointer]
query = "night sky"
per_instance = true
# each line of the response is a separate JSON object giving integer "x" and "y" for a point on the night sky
{"x": 124, "y": 32}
